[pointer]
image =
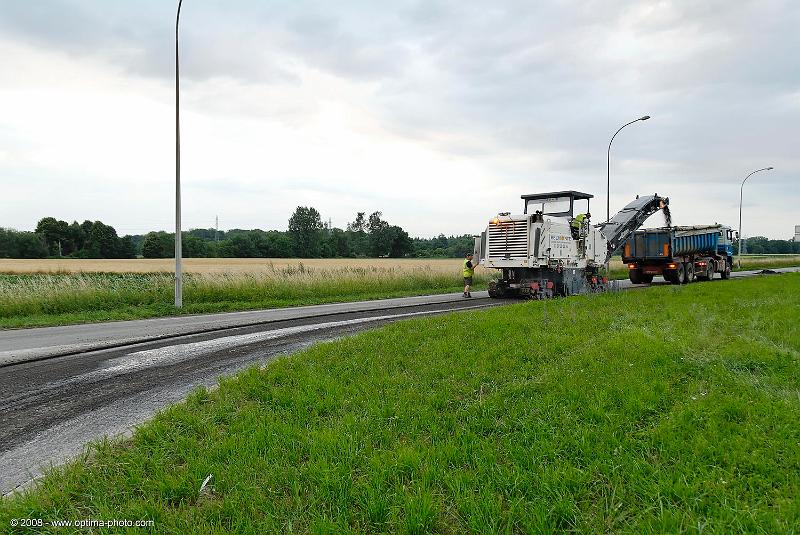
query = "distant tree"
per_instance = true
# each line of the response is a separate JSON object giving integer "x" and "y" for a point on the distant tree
{"x": 77, "y": 238}
{"x": 305, "y": 229}
{"x": 126, "y": 247}
{"x": 136, "y": 240}
{"x": 400, "y": 243}
{"x": 280, "y": 244}
{"x": 357, "y": 238}
{"x": 238, "y": 246}
{"x": 158, "y": 245}
{"x": 443, "y": 246}
{"x": 781, "y": 246}
{"x": 206, "y": 234}
{"x": 193, "y": 247}
{"x": 259, "y": 243}
{"x": 272, "y": 244}
{"x": 380, "y": 240}
{"x": 8, "y": 243}
{"x": 338, "y": 244}
{"x": 102, "y": 242}
{"x": 360, "y": 223}
{"x": 757, "y": 245}
{"x": 30, "y": 245}
{"x": 86, "y": 227}
{"x": 55, "y": 234}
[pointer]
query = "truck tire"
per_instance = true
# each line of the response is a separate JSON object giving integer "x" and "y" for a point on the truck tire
{"x": 635, "y": 275}
{"x": 688, "y": 272}
{"x": 726, "y": 273}
{"x": 678, "y": 274}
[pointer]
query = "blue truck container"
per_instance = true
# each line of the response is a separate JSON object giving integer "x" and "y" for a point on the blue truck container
{"x": 679, "y": 254}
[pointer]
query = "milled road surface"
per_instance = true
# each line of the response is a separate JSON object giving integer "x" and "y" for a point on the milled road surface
{"x": 62, "y": 387}
{"x": 17, "y": 345}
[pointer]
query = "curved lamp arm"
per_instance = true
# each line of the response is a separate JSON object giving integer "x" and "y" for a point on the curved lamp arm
{"x": 608, "y": 165}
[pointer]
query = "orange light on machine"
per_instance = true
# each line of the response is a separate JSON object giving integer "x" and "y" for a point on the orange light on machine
{"x": 632, "y": 266}
{"x": 701, "y": 263}
{"x": 495, "y": 221}
{"x": 672, "y": 266}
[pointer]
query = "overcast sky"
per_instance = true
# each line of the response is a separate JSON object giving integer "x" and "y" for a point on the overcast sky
{"x": 438, "y": 113}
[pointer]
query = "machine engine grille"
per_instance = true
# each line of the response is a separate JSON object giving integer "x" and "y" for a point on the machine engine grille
{"x": 508, "y": 239}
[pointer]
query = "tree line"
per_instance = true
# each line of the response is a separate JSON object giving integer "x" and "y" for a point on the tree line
{"x": 762, "y": 245}
{"x": 367, "y": 236}
{"x": 52, "y": 237}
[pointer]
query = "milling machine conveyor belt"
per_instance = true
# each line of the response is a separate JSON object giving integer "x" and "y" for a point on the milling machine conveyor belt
{"x": 630, "y": 218}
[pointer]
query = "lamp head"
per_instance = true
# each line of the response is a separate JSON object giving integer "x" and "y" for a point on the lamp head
{"x": 646, "y": 117}
{"x": 770, "y": 168}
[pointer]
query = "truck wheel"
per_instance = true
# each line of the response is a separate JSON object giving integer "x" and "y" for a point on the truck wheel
{"x": 726, "y": 273}
{"x": 688, "y": 273}
{"x": 710, "y": 271}
{"x": 635, "y": 276}
{"x": 679, "y": 274}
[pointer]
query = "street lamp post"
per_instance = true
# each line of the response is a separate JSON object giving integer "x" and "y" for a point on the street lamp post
{"x": 608, "y": 166}
{"x": 741, "y": 191}
{"x": 178, "y": 250}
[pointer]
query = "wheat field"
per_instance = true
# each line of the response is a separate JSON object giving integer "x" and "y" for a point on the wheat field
{"x": 223, "y": 265}
{"x": 268, "y": 266}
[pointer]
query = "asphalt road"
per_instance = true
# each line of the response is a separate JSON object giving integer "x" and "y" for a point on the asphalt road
{"x": 63, "y": 387}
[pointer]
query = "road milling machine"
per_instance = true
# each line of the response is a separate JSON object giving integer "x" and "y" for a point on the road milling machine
{"x": 540, "y": 252}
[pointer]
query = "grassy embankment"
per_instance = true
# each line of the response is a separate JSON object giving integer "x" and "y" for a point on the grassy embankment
{"x": 663, "y": 410}
{"x": 36, "y": 299}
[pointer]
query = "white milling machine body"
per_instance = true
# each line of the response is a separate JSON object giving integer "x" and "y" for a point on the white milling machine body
{"x": 539, "y": 255}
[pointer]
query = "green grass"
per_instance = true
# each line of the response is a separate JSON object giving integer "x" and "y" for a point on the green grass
{"x": 668, "y": 409}
{"x": 60, "y": 299}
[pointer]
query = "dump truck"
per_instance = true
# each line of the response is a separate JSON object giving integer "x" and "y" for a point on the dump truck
{"x": 679, "y": 254}
{"x": 541, "y": 254}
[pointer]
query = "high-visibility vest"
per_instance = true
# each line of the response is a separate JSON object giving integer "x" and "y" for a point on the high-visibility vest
{"x": 468, "y": 271}
{"x": 578, "y": 221}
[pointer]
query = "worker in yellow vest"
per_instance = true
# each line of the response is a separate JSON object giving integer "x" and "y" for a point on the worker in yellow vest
{"x": 469, "y": 271}
{"x": 577, "y": 223}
